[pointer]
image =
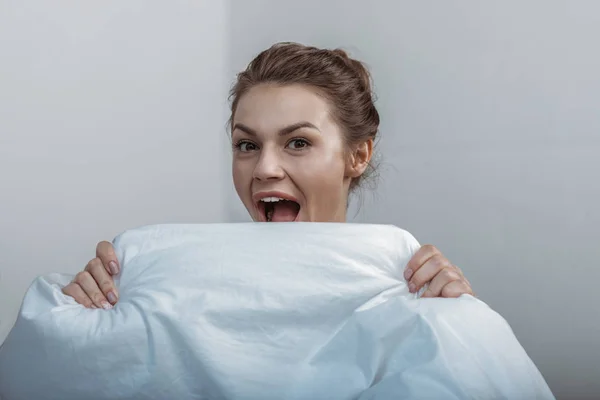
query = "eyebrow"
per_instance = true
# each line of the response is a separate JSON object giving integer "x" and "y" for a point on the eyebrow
{"x": 282, "y": 132}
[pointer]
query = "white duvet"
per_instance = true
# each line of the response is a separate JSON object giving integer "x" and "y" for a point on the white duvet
{"x": 263, "y": 311}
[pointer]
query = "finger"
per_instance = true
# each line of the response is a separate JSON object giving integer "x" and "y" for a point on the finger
{"x": 90, "y": 287}
{"x": 106, "y": 253}
{"x": 419, "y": 259}
{"x": 456, "y": 289}
{"x": 464, "y": 278}
{"x": 77, "y": 293}
{"x": 103, "y": 280}
{"x": 427, "y": 272}
{"x": 442, "y": 279}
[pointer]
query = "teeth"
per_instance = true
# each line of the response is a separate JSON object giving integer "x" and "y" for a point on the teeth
{"x": 271, "y": 199}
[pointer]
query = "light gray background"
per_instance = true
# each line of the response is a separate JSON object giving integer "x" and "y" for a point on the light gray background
{"x": 112, "y": 115}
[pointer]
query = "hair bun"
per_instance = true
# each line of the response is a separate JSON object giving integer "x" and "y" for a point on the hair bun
{"x": 359, "y": 69}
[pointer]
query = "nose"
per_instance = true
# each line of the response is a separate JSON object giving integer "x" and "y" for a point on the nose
{"x": 268, "y": 166}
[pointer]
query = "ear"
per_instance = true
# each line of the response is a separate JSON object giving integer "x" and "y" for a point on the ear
{"x": 359, "y": 159}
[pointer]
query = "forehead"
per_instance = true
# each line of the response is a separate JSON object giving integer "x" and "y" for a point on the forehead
{"x": 268, "y": 107}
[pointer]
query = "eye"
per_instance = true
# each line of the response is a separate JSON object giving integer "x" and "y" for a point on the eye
{"x": 245, "y": 146}
{"x": 298, "y": 144}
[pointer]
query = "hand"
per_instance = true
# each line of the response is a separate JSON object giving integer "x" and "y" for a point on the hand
{"x": 94, "y": 286}
{"x": 428, "y": 265}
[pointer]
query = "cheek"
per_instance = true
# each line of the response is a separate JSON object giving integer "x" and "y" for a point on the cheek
{"x": 332, "y": 163}
{"x": 325, "y": 172}
{"x": 241, "y": 178}
{"x": 330, "y": 168}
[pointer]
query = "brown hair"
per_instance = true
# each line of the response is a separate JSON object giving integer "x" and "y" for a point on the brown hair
{"x": 343, "y": 81}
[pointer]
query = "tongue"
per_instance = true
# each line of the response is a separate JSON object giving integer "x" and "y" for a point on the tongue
{"x": 284, "y": 211}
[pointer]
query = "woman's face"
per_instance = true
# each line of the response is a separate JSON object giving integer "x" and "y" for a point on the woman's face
{"x": 289, "y": 159}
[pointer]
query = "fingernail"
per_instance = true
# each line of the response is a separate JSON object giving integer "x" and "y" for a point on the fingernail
{"x": 106, "y": 305}
{"x": 408, "y": 273}
{"x": 114, "y": 268}
{"x": 94, "y": 306}
{"x": 111, "y": 297}
{"x": 412, "y": 287}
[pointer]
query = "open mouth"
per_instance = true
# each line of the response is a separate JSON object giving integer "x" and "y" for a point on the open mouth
{"x": 277, "y": 209}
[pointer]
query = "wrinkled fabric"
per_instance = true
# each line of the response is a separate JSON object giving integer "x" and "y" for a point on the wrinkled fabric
{"x": 263, "y": 311}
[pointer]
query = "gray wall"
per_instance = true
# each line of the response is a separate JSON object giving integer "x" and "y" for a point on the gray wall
{"x": 112, "y": 115}
{"x": 490, "y": 141}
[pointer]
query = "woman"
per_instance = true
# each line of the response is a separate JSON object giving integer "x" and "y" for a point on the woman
{"x": 303, "y": 124}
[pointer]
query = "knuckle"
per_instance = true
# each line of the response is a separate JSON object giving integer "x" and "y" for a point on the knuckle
{"x": 440, "y": 262}
{"x": 96, "y": 264}
{"x": 106, "y": 284}
{"x": 429, "y": 248}
{"x": 81, "y": 276}
{"x": 450, "y": 274}
{"x": 451, "y": 292}
{"x": 68, "y": 289}
{"x": 93, "y": 264}
{"x": 436, "y": 286}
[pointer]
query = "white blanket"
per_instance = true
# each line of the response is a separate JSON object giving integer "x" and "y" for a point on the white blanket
{"x": 263, "y": 311}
